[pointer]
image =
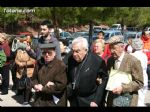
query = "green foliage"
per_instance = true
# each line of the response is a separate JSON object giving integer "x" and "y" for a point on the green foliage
{"x": 69, "y": 16}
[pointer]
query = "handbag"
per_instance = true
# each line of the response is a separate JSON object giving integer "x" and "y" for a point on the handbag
{"x": 24, "y": 81}
{"x": 122, "y": 100}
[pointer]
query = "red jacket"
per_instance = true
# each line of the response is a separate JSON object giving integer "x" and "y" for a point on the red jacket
{"x": 146, "y": 47}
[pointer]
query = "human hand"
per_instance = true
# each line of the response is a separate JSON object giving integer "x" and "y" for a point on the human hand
{"x": 117, "y": 90}
{"x": 49, "y": 84}
{"x": 28, "y": 47}
{"x": 38, "y": 87}
{"x": 21, "y": 64}
{"x": 93, "y": 104}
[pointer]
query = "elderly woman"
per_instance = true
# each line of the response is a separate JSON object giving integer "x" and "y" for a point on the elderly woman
{"x": 5, "y": 69}
{"x": 99, "y": 48}
{"x": 49, "y": 78}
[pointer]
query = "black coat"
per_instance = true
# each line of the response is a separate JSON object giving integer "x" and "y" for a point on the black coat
{"x": 86, "y": 89}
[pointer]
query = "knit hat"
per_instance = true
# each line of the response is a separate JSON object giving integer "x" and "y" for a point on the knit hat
{"x": 115, "y": 40}
{"x": 137, "y": 44}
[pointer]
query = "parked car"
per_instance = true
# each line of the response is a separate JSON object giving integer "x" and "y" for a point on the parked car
{"x": 132, "y": 29}
{"x": 131, "y": 34}
{"x": 97, "y": 29}
{"x": 109, "y": 33}
{"x": 116, "y": 27}
{"x": 85, "y": 34}
{"x": 66, "y": 36}
{"x": 147, "y": 29}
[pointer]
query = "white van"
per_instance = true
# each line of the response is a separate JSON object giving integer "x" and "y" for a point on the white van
{"x": 116, "y": 27}
{"x": 147, "y": 29}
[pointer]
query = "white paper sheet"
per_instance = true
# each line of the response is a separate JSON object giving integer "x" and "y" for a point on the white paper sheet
{"x": 116, "y": 78}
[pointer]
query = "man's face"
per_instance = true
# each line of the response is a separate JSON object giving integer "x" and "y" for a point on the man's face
{"x": 45, "y": 31}
{"x": 78, "y": 52}
{"x": 116, "y": 50}
{"x": 48, "y": 54}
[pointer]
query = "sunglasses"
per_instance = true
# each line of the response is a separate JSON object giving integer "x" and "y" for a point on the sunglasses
{"x": 49, "y": 52}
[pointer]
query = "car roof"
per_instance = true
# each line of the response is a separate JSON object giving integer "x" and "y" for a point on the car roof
{"x": 110, "y": 31}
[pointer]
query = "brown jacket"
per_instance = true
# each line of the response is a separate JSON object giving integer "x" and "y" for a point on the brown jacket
{"x": 23, "y": 58}
{"x": 55, "y": 72}
{"x": 130, "y": 65}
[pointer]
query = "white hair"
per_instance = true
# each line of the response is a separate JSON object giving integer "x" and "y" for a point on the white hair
{"x": 83, "y": 41}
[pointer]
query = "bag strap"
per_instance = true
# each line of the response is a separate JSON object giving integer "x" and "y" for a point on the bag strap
{"x": 25, "y": 70}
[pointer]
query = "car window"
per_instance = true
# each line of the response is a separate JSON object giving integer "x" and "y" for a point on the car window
{"x": 118, "y": 33}
{"x": 112, "y": 34}
{"x": 106, "y": 36}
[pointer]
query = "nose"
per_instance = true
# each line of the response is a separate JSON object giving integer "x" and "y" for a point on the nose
{"x": 112, "y": 51}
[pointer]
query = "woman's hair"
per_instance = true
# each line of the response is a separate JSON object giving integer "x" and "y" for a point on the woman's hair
{"x": 101, "y": 42}
{"x": 4, "y": 36}
{"x": 83, "y": 41}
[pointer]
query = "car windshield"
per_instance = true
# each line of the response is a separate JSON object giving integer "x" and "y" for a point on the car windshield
{"x": 65, "y": 34}
{"x": 114, "y": 26}
{"x": 96, "y": 30}
{"x": 129, "y": 35}
{"x": 77, "y": 34}
{"x": 106, "y": 35}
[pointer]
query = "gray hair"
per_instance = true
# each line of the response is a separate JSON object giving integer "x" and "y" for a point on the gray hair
{"x": 83, "y": 41}
{"x": 137, "y": 44}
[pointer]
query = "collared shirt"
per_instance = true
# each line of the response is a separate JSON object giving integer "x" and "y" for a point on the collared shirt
{"x": 119, "y": 60}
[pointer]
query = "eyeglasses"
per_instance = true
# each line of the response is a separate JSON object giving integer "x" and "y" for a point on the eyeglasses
{"x": 44, "y": 52}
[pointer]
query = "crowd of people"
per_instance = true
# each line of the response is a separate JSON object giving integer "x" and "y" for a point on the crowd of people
{"x": 106, "y": 74}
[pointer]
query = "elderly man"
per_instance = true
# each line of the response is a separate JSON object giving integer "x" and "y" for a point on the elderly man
{"x": 49, "y": 78}
{"x": 84, "y": 68}
{"x": 124, "y": 63}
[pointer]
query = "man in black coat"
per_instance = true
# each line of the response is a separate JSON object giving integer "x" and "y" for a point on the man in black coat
{"x": 84, "y": 68}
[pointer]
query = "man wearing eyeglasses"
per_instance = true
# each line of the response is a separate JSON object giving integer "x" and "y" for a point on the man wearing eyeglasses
{"x": 84, "y": 68}
{"x": 49, "y": 78}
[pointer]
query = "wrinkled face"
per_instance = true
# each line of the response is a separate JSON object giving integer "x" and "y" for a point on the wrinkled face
{"x": 48, "y": 54}
{"x": 45, "y": 31}
{"x": 116, "y": 50}
{"x": 97, "y": 48}
{"x": 78, "y": 52}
